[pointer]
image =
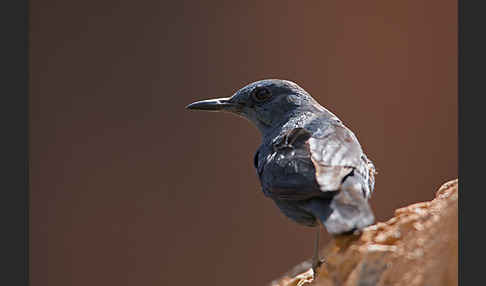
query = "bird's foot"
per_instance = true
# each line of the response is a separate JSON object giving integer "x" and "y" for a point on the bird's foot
{"x": 316, "y": 265}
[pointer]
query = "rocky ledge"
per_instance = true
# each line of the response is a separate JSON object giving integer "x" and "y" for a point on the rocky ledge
{"x": 418, "y": 246}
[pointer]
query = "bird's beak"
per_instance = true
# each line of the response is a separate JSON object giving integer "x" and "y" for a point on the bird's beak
{"x": 217, "y": 104}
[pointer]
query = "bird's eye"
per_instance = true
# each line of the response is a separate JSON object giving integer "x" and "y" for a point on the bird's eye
{"x": 261, "y": 94}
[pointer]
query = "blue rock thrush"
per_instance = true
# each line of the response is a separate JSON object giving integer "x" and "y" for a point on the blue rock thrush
{"x": 309, "y": 163}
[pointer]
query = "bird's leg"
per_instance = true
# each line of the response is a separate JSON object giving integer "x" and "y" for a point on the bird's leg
{"x": 316, "y": 261}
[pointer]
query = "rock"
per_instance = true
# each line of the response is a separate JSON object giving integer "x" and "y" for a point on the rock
{"x": 418, "y": 246}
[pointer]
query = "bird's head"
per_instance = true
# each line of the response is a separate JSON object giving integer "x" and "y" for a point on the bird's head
{"x": 266, "y": 103}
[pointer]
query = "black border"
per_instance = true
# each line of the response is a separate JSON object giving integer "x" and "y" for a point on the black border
{"x": 14, "y": 211}
{"x": 471, "y": 113}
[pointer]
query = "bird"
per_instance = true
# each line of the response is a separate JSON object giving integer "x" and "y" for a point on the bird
{"x": 309, "y": 163}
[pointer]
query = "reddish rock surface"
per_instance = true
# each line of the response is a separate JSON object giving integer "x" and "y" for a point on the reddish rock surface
{"x": 418, "y": 246}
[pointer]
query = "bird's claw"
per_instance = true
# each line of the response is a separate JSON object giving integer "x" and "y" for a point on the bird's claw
{"x": 316, "y": 265}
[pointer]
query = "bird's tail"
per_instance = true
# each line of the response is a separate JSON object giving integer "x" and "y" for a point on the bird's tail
{"x": 347, "y": 211}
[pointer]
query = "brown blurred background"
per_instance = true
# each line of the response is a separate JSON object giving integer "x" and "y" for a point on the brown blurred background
{"x": 129, "y": 188}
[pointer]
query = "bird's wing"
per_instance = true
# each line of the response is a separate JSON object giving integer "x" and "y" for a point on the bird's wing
{"x": 304, "y": 164}
{"x": 285, "y": 169}
{"x": 335, "y": 153}
{"x": 341, "y": 165}
{"x": 321, "y": 172}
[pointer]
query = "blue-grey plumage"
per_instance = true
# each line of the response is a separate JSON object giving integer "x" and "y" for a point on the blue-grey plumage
{"x": 309, "y": 162}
